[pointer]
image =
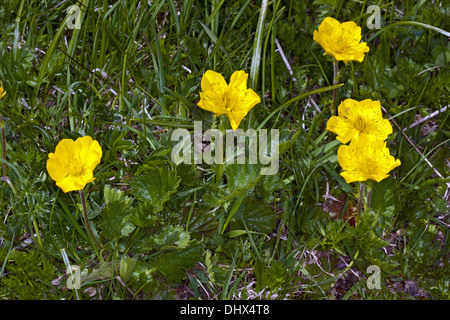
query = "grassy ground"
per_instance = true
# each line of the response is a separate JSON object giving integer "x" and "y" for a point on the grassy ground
{"x": 130, "y": 75}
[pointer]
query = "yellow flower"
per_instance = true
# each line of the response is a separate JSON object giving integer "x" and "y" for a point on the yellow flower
{"x": 341, "y": 40}
{"x": 73, "y": 163}
{"x": 364, "y": 159}
{"x": 234, "y": 99}
{"x": 2, "y": 91}
{"x": 359, "y": 118}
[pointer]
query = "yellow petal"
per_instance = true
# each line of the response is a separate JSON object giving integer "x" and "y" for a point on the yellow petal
{"x": 2, "y": 91}
{"x": 88, "y": 151}
{"x": 214, "y": 96}
{"x": 68, "y": 184}
{"x": 73, "y": 162}
{"x": 213, "y": 81}
{"x": 317, "y": 37}
{"x": 211, "y": 104}
{"x": 347, "y": 107}
{"x": 64, "y": 148}
{"x": 57, "y": 167}
{"x": 352, "y": 177}
{"x": 365, "y": 159}
{"x": 345, "y": 158}
{"x": 235, "y": 118}
{"x": 58, "y": 162}
{"x": 241, "y": 105}
{"x": 329, "y": 24}
{"x": 385, "y": 129}
{"x": 352, "y": 30}
{"x": 344, "y": 130}
{"x": 341, "y": 41}
{"x": 95, "y": 155}
{"x": 238, "y": 80}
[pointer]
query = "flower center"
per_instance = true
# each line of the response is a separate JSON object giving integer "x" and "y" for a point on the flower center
{"x": 359, "y": 124}
{"x": 75, "y": 167}
{"x": 340, "y": 43}
{"x": 225, "y": 100}
{"x": 370, "y": 166}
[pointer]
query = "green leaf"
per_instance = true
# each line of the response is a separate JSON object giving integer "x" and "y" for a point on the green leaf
{"x": 171, "y": 237}
{"x": 241, "y": 177}
{"x": 144, "y": 216}
{"x": 270, "y": 185}
{"x": 115, "y": 223}
{"x": 111, "y": 194}
{"x": 155, "y": 186}
{"x": 285, "y": 145}
{"x": 256, "y": 215}
{"x": 275, "y": 276}
{"x": 384, "y": 201}
{"x": 127, "y": 266}
{"x": 172, "y": 264}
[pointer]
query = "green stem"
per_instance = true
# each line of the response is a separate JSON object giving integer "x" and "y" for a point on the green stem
{"x": 38, "y": 235}
{"x": 131, "y": 240}
{"x": 335, "y": 81}
{"x": 233, "y": 210}
{"x": 191, "y": 211}
{"x": 2, "y": 125}
{"x": 368, "y": 197}
{"x": 219, "y": 166}
{"x": 355, "y": 85}
{"x": 86, "y": 219}
{"x": 360, "y": 200}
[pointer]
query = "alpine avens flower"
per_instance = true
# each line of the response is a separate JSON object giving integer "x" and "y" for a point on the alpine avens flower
{"x": 233, "y": 99}
{"x": 73, "y": 163}
{"x": 364, "y": 159}
{"x": 341, "y": 40}
{"x": 359, "y": 118}
{"x": 2, "y": 91}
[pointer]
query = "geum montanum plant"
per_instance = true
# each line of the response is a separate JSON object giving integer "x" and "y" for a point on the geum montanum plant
{"x": 359, "y": 118}
{"x": 72, "y": 167}
{"x": 233, "y": 99}
{"x": 366, "y": 157}
{"x": 341, "y": 41}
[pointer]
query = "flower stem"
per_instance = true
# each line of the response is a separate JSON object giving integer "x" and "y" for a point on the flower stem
{"x": 335, "y": 80}
{"x": 86, "y": 219}
{"x": 218, "y": 148}
{"x": 355, "y": 85}
{"x": 2, "y": 125}
{"x": 38, "y": 235}
{"x": 360, "y": 200}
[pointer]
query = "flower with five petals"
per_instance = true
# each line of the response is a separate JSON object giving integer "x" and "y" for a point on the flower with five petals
{"x": 365, "y": 159}
{"x": 233, "y": 99}
{"x": 73, "y": 163}
{"x": 357, "y": 118}
{"x": 341, "y": 40}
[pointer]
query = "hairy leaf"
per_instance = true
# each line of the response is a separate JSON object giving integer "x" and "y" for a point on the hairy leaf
{"x": 155, "y": 186}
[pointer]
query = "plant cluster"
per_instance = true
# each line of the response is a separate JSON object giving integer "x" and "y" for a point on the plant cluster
{"x": 88, "y": 181}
